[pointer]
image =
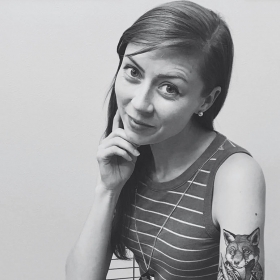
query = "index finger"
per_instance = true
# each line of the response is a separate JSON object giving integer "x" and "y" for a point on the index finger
{"x": 116, "y": 120}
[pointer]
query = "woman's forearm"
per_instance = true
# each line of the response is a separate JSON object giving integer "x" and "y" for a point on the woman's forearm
{"x": 91, "y": 255}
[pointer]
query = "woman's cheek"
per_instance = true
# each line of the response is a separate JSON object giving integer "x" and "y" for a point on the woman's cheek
{"x": 123, "y": 96}
{"x": 122, "y": 88}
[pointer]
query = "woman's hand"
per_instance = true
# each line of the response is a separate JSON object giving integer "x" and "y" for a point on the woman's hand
{"x": 116, "y": 157}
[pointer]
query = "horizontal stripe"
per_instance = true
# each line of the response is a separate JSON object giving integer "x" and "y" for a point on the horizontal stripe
{"x": 188, "y": 270}
{"x": 193, "y": 196}
{"x": 186, "y": 223}
{"x": 158, "y": 213}
{"x": 185, "y": 208}
{"x": 196, "y": 183}
{"x": 172, "y": 218}
{"x": 167, "y": 203}
{"x": 212, "y": 158}
{"x": 174, "y": 258}
{"x": 177, "y": 248}
{"x": 185, "y": 236}
{"x": 182, "y": 261}
{"x": 205, "y": 171}
{"x": 183, "y": 275}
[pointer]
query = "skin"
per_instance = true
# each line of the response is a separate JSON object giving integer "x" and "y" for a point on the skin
{"x": 166, "y": 103}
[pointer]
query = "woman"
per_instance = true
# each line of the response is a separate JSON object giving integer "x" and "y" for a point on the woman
{"x": 187, "y": 201}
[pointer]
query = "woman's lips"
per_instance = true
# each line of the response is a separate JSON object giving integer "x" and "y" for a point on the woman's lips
{"x": 140, "y": 122}
{"x": 138, "y": 126}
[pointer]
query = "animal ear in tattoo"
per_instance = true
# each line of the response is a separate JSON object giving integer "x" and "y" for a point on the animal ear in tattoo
{"x": 241, "y": 258}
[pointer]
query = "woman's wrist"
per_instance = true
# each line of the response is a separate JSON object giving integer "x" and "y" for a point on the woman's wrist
{"x": 102, "y": 192}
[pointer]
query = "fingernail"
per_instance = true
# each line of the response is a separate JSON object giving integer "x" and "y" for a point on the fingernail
{"x": 135, "y": 145}
{"x": 136, "y": 153}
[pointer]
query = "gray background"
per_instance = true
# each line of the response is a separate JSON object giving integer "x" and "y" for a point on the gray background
{"x": 57, "y": 59}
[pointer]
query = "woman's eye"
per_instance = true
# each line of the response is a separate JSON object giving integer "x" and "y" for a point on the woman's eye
{"x": 132, "y": 71}
{"x": 169, "y": 89}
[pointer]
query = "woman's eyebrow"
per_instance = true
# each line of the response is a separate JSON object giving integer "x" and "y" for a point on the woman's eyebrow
{"x": 174, "y": 76}
{"x": 129, "y": 57}
{"x": 162, "y": 76}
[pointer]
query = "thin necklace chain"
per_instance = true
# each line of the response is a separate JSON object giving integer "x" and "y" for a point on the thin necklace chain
{"x": 151, "y": 256}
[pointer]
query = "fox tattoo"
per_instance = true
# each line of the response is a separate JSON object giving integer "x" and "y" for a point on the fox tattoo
{"x": 242, "y": 256}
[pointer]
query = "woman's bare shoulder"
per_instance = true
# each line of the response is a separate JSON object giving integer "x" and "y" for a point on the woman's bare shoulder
{"x": 239, "y": 168}
{"x": 239, "y": 186}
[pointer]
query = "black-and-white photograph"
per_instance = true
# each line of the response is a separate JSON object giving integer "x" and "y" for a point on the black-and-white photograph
{"x": 139, "y": 139}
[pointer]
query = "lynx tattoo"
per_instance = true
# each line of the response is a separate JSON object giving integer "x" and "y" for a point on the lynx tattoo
{"x": 242, "y": 256}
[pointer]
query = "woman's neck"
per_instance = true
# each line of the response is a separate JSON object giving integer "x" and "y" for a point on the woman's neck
{"x": 174, "y": 155}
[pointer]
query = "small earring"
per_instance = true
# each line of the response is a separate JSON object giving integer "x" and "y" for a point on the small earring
{"x": 200, "y": 114}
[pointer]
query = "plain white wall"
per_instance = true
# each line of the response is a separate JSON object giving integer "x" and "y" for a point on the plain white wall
{"x": 57, "y": 59}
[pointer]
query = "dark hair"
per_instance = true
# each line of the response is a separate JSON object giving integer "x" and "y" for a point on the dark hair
{"x": 190, "y": 28}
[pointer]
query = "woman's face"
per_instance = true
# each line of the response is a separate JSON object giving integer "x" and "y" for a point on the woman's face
{"x": 161, "y": 89}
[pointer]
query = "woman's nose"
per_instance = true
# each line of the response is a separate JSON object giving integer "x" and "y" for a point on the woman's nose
{"x": 142, "y": 100}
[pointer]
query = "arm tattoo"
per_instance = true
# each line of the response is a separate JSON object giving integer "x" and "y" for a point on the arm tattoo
{"x": 241, "y": 258}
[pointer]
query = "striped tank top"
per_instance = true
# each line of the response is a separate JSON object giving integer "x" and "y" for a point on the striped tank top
{"x": 188, "y": 244}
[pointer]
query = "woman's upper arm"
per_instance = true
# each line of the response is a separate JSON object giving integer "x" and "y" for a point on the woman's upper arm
{"x": 239, "y": 210}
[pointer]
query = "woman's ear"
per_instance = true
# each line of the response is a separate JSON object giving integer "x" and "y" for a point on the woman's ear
{"x": 210, "y": 99}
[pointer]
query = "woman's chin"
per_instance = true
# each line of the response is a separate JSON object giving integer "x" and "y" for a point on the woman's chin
{"x": 138, "y": 138}
{"x": 136, "y": 141}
